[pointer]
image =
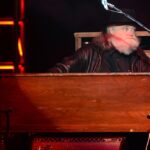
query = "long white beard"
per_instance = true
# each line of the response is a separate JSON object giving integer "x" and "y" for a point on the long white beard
{"x": 125, "y": 44}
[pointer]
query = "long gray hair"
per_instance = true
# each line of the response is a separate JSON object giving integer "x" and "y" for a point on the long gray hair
{"x": 103, "y": 40}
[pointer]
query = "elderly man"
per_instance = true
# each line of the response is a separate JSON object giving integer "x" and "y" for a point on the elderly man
{"x": 116, "y": 50}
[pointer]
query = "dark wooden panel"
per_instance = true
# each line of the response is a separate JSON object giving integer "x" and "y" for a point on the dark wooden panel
{"x": 77, "y": 102}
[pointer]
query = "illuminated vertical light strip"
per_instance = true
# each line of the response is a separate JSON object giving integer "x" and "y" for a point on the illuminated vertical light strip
{"x": 21, "y": 22}
{"x": 21, "y": 36}
{"x": 21, "y": 25}
{"x": 20, "y": 47}
{"x": 20, "y": 50}
{"x": 22, "y": 9}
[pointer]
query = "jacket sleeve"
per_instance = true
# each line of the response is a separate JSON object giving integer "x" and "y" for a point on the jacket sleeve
{"x": 73, "y": 63}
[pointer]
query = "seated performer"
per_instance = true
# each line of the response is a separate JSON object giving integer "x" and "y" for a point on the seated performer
{"x": 115, "y": 50}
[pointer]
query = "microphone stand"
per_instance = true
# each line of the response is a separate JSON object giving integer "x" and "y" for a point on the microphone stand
{"x": 127, "y": 15}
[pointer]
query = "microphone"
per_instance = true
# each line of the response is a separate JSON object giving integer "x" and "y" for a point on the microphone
{"x": 105, "y": 4}
{"x": 117, "y": 10}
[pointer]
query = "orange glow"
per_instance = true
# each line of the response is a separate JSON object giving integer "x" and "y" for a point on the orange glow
{"x": 7, "y": 67}
{"x": 6, "y": 22}
{"x": 20, "y": 47}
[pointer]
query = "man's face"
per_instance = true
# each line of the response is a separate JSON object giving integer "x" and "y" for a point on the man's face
{"x": 124, "y": 38}
{"x": 125, "y": 29}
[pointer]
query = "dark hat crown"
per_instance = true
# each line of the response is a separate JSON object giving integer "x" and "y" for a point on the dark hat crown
{"x": 121, "y": 19}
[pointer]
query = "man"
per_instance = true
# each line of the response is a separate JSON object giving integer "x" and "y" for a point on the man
{"x": 116, "y": 50}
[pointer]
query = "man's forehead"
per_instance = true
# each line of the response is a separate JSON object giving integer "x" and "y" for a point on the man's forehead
{"x": 120, "y": 26}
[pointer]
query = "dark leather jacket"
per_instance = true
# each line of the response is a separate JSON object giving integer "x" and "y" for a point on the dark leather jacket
{"x": 91, "y": 58}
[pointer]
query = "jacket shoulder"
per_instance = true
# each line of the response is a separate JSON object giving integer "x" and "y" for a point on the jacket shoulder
{"x": 90, "y": 48}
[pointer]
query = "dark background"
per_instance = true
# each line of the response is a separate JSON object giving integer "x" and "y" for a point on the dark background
{"x": 50, "y": 25}
{"x": 49, "y": 29}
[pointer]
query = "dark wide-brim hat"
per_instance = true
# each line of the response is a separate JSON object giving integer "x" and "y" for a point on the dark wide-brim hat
{"x": 121, "y": 19}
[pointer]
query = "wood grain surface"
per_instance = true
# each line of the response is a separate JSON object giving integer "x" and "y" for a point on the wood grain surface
{"x": 76, "y": 102}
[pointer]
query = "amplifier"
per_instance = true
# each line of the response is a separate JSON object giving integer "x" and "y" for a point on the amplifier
{"x": 77, "y": 143}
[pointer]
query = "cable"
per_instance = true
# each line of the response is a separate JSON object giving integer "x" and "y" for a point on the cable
{"x": 146, "y": 148}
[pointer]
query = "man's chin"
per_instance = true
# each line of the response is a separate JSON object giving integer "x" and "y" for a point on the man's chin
{"x": 127, "y": 51}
